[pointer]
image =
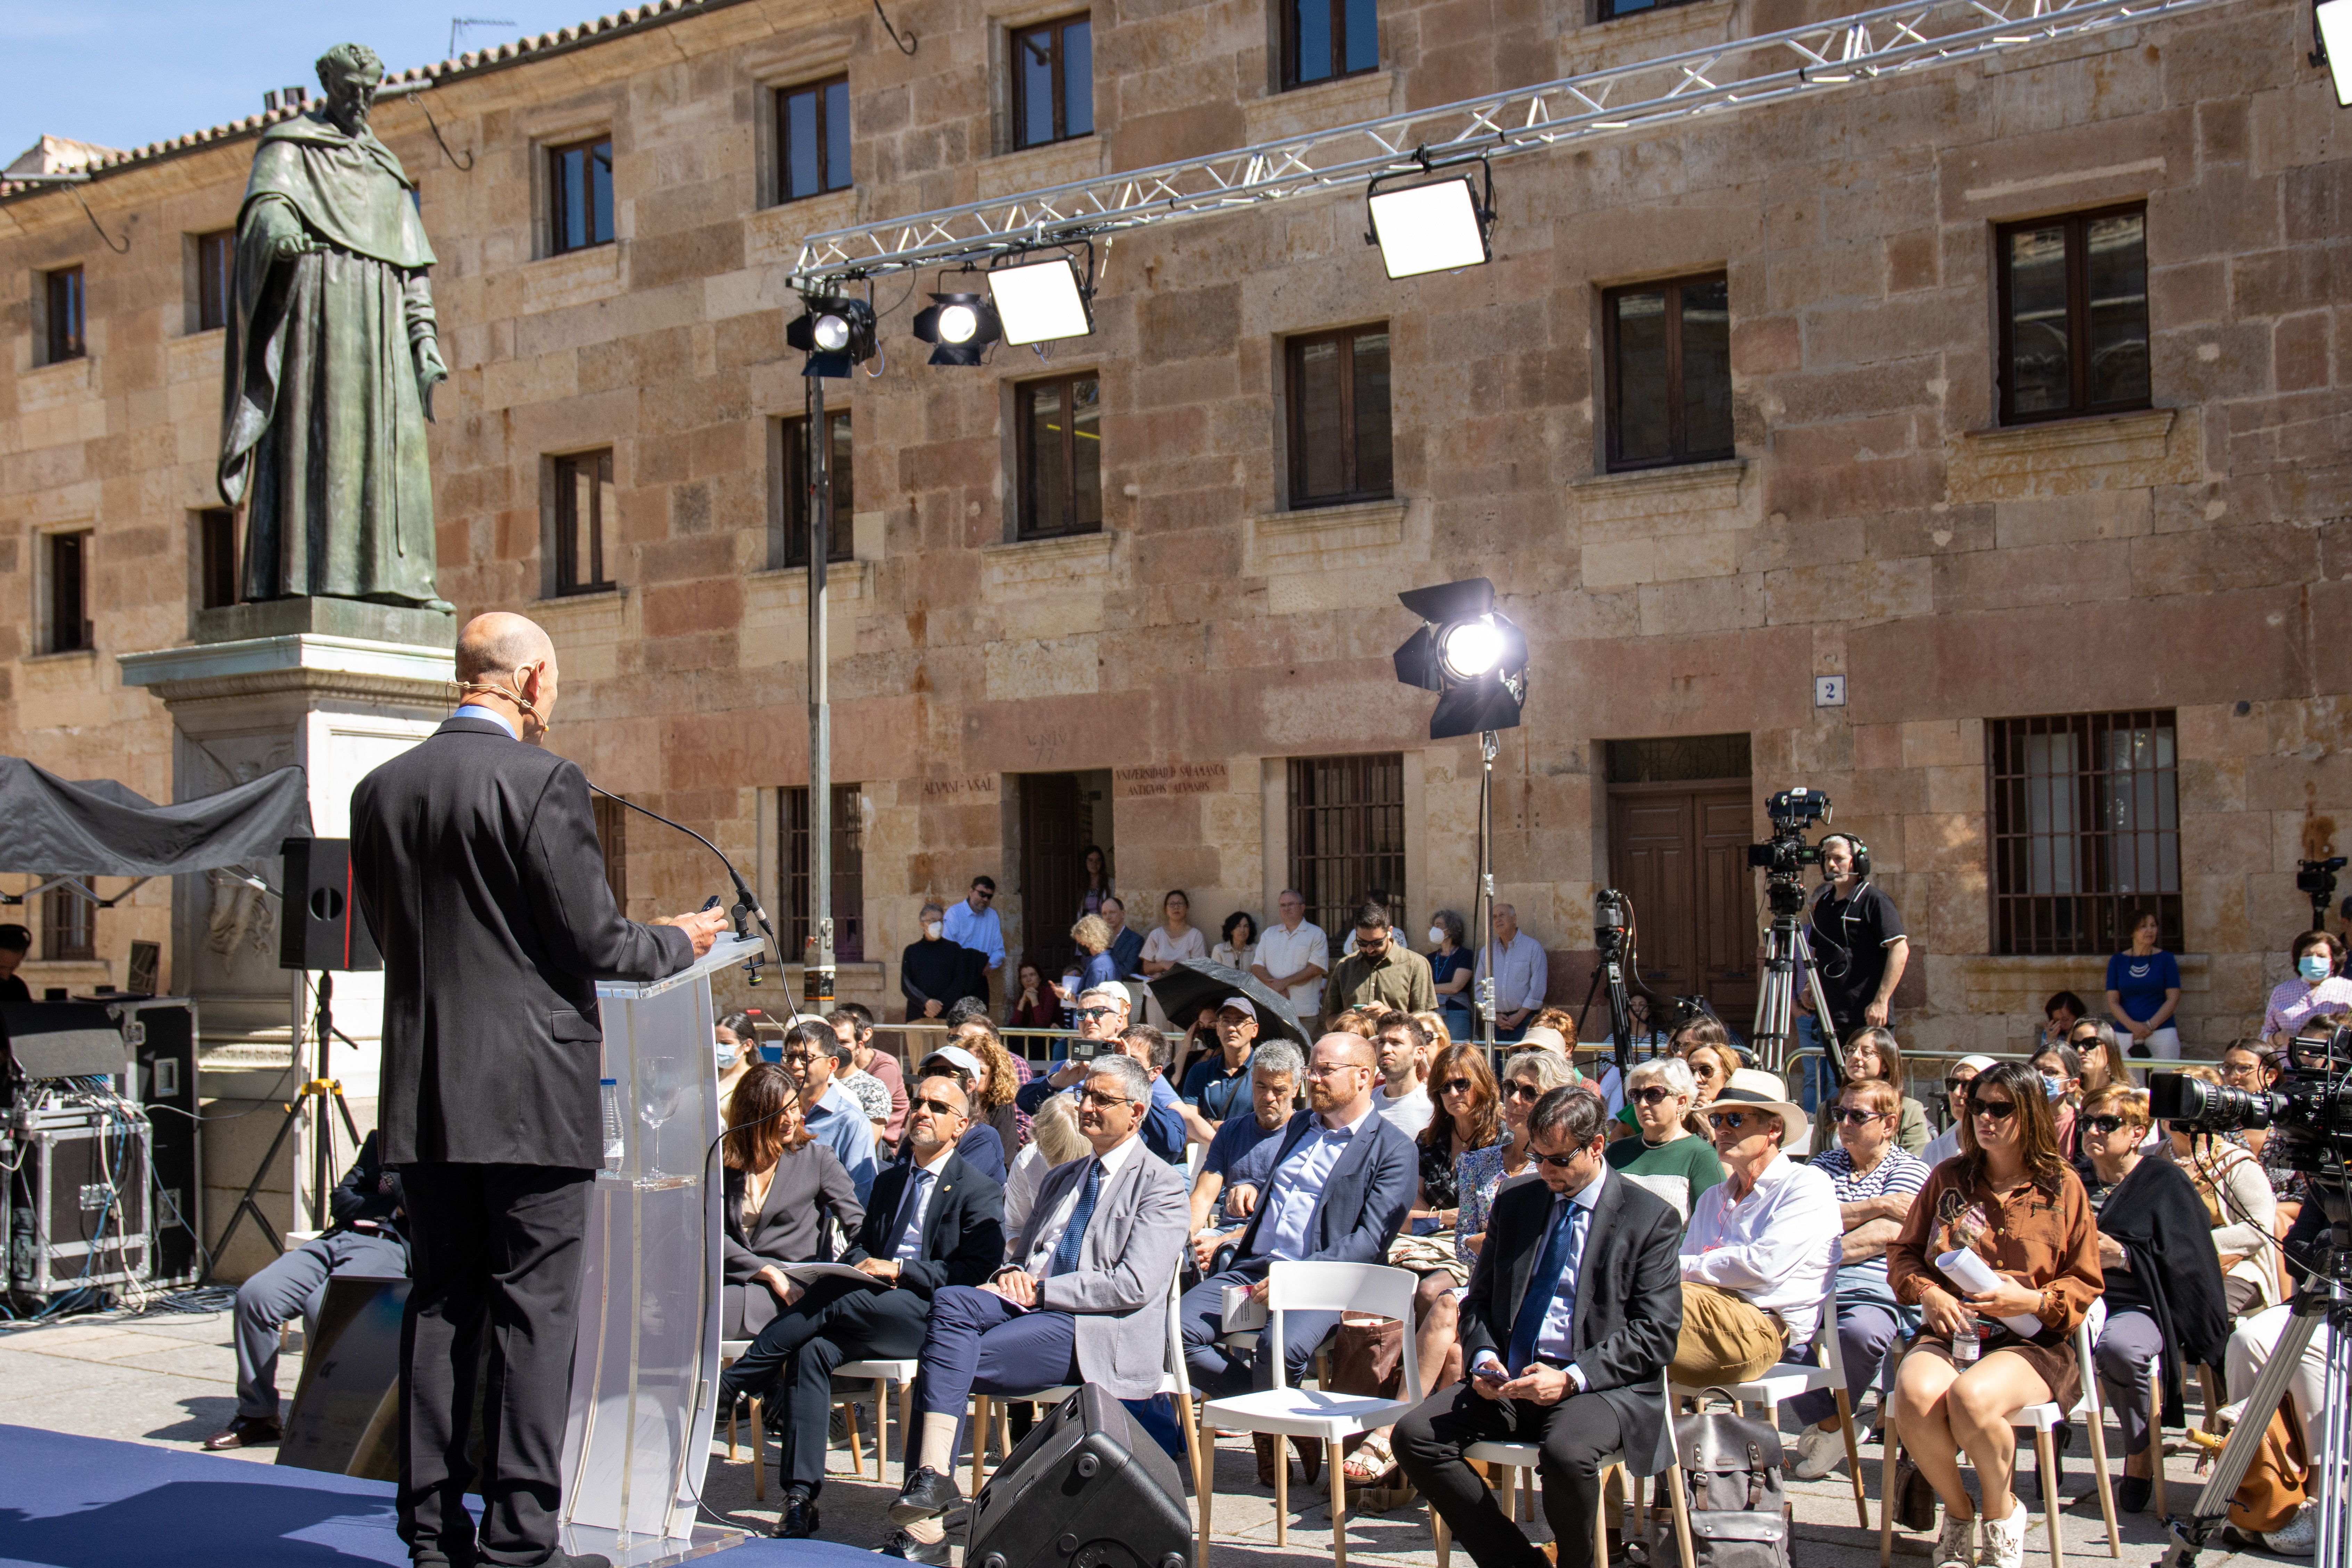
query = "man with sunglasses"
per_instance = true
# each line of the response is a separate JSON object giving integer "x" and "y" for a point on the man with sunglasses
{"x": 1164, "y": 1131}
{"x": 1761, "y": 1248}
{"x": 1875, "y": 1182}
{"x": 1957, "y": 1079}
{"x": 1088, "y": 1302}
{"x": 1572, "y": 1310}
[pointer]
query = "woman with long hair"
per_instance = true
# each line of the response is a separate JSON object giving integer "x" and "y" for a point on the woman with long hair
{"x": 1706, "y": 1045}
{"x": 2060, "y": 1067}
{"x": 1033, "y": 1005}
{"x": 2098, "y": 1056}
{"x": 993, "y": 1091}
{"x": 1175, "y": 938}
{"x": 780, "y": 1184}
{"x": 1872, "y": 1054}
{"x": 2010, "y": 1199}
{"x": 1480, "y": 1173}
{"x": 1096, "y": 885}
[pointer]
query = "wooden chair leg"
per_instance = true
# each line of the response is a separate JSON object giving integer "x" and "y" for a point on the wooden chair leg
{"x": 1887, "y": 1464}
{"x": 1444, "y": 1538}
{"x": 979, "y": 1439}
{"x": 2156, "y": 1438}
{"x": 1682, "y": 1512}
{"x": 1852, "y": 1456}
{"x": 1004, "y": 1431}
{"x": 856, "y": 1448}
{"x": 882, "y": 1427}
{"x": 2047, "y": 1457}
{"x": 1339, "y": 1502}
{"x": 1600, "y": 1526}
{"x": 759, "y": 1452}
{"x": 1282, "y": 1490}
{"x": 1204, "y": 1488}
{"x": 2098, "y": 1432}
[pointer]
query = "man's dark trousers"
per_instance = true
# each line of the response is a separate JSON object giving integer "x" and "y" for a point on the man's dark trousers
{"x": 495, "y": 1247}
{"x": 871, "y": 1325}
{"x": 979, "y": 1343}
{"x": 1574, "y": 1435}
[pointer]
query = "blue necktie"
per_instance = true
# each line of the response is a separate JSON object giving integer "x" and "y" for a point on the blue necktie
{"x": 909, "y": 1211}
{"x": 1542, "y": 1285}
{"x": 1074, "y": 1234}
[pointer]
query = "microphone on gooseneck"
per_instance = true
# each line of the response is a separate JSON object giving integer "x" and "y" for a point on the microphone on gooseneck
{"x": 747, "y": 908}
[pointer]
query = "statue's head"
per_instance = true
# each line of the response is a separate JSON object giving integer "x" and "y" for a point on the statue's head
{"x": 348, "y": 75}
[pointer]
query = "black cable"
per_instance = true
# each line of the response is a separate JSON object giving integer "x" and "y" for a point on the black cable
{"x": 746, "y": 906}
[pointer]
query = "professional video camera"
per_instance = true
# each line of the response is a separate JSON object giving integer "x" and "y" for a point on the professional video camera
{"x": 2309, "y": 1112}
{"x": 1783, "y": 857}
{"x": 2315, "y": 880}
{"x": 1609, "y": 922}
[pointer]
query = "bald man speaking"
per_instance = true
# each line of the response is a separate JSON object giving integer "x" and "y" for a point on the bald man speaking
{"x": 476, "y": 864}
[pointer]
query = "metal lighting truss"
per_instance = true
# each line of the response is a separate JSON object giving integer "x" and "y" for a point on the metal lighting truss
{"x": 1620, "y": 102}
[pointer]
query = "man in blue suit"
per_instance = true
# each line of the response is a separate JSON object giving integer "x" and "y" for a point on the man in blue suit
{"x": 1342, "y": 1184}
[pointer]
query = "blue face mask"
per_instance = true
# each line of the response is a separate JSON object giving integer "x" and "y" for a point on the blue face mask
{"x": 2312, "y": 966}
{"x": 2052, "y": 1087}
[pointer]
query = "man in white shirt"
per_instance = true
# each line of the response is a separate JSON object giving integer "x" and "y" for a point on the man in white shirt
{"x": 1521, "y": 973}
{"x": 1401, "y": 1096}
{"x": 1762, "y": 1247}
{"x": 1293, "y": 956}
{"x": 971, "y": 922}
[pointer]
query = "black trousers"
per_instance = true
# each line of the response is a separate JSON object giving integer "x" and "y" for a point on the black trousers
{"x": 1575, "y": 1435}
{"x": 878, "y": 1325}
{"x": 495, "y": 1248}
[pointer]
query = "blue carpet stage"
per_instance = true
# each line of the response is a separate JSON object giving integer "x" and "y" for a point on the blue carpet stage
{"x": 85, "y": 1503}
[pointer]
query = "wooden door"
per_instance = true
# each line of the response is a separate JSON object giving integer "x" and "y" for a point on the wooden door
{"x": 1054, "y": 823}
{"x": 1679, "y": 851}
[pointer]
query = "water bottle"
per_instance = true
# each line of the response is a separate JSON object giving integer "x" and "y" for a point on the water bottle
{"x": 1966, "y": 1345}
{"x": 616, "y": 1129}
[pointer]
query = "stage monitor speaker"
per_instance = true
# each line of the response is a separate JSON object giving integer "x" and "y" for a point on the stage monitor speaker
{"x": 161, "y": 1033}
{"x": 1085, "y": 1490}
{"x": 323, "y": 928}
{"x": 61, "y": 1039}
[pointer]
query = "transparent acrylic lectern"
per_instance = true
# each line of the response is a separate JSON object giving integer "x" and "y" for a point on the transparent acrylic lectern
{"x": 644, "y": 1375}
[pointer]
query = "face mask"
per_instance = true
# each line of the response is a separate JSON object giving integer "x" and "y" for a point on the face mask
{"x": 2053, "y": 1087}
{"x": 2312, "y": 966}
{"x": 936, "y": 930}
{"x": 725, "y": 1053}
{"x": 1437, "y": 936}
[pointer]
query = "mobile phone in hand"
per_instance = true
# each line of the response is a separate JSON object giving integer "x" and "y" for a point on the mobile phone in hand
{"x": 1490, "y": 1372}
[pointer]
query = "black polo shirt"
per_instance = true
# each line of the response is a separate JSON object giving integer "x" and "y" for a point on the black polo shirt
{"x": 1849, "y": 939}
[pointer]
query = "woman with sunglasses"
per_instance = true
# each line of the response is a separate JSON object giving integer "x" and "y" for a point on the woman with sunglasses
{"x": 2164, "y": 1286}
{"x": 1480, "y": 1173}
{"x": 2098, "y": 1055}
{"x": 1957, "y": 1079}
{"x": 2239, "y": 1204}
{"x": 1872, "y": 1056}
{"x": 2011, "y": 1197}
{"x": 1667, "y": 1158}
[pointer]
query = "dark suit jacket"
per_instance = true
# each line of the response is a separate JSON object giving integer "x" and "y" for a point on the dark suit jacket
{"x": 809, "y": 1183}
{"x": 475, "y": 862}
{"x": 963, "y": 1231}
{"x": 1629, "y": 1299}
{"x": 1364, "y": 1202}
{"x": 369, "y": 1194}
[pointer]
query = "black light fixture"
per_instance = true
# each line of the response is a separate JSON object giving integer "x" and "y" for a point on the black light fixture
{"x": 1438, "y": 222}
{"x": 834, "y": 333}
{"x": 960, "y": 327}
{"x": 1468, "y": 653}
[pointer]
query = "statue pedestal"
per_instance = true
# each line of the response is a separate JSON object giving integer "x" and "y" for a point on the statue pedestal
{"x": 273, "y": 684}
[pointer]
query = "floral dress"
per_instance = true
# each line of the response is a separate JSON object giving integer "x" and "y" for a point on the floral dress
{"x": 1477, "y": 1177}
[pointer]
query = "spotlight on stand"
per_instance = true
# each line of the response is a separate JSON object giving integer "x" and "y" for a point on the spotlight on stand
{"x": 2331, "y": 26}
{"x": 1469, "y": 654}
{"x": 1437, "y": 224}
{"x": 959, "y": 326}
{"x": 1037, "y": 301}
{"x": 834, "y": 333}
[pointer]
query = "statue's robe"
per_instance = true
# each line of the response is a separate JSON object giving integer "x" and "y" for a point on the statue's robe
{"x": 322, "y": 424}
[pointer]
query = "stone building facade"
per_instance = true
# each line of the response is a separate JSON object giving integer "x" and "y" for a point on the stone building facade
{"x": 1151, "y": 684}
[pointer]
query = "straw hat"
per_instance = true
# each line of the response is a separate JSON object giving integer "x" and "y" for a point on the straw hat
{"x": 1765, "y": 1091}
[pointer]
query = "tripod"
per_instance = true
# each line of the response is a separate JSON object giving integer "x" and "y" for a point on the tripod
{"x": 323, "y": 1088}
{"x": 2318, "y": 1300}
{"x": 1614, "y": 945}
{"x": 1785, "y": 949}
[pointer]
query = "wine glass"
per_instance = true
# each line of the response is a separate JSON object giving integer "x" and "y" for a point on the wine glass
{"x": 659, "y": 1106}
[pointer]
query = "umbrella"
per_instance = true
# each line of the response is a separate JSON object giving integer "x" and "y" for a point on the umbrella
{"x": 1195, "y": 982}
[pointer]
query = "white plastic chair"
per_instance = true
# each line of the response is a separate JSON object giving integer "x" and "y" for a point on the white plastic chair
{"x": 1787, "y": 1380}
{"x": 884, "y": 1374}
{"x": 1372, "y": 1289}
{"x": 2090, "y": 1410}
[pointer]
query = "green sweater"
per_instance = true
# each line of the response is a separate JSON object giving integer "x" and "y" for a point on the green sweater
{"x": 1677, "y": 1172}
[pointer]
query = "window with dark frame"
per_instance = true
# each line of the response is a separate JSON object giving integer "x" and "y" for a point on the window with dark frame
{"x": 215, "y": 276}
{"x": 68, "y": 570}
{"x": 1340, "y": 445}
{"x": 580, "y": 181}
{"x": 2073, "y": 315}
{"x": 1060, "y": 424}
{"x": 612, "y": 838}
{"x": 62, "y": 294}
{"x": 583, "y": 514}
{"x": 68, "y": 926}
{"x": 848, "y": 870}
{"x": 216, "y": 557}
{"x": 1609, "y": 10}
{"x": 1324, "y": 39}
{"x": 2084, "y": 814}
{"x": 811, "y": 140}
{"x": 1669, "y": 351}
{"x": 789, "y": 546}
{"x": 1347, "y": 835}
{"x": 1053, "y": 82}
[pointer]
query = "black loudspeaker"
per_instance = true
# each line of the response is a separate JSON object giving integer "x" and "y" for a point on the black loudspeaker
{"x": 323, "y": 928}
{"x": 1083, "y": 1489}
{"x": 163, "y": 1037}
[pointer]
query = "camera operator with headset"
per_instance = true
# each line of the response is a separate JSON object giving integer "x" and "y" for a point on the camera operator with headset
{"x": 1857, "y": 938}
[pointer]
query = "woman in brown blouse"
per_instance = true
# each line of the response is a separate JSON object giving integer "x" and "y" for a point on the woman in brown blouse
{"x": 2012, "y": 1197}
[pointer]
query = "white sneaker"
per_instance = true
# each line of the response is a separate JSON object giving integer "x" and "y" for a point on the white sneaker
{"x": 2300, "y": 1535}
{"x": 1818, "y": 1453}
{"x": 2000, "y": 1542}
{"x": 1956, "y": 1546}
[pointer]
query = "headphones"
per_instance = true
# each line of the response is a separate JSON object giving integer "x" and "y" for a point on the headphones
{"x": 1861, "y": 853}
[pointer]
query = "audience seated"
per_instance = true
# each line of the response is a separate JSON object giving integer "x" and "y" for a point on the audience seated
{"x": 1667, "y": 1157}
{"x": 995, "y": 1092}
{"x": 1217, "y": 1086}
{"x": 1957, "y": 1079}
{"x": 1275, "y": 1074}
{"x": 1570, "y": 1313}
{"x": 814, "y": 1054}
{"x": 1875, "y": 1181}
{"x": 980, "y": 1147}
{"x": 780, "y": 1185}
{"x": 1481, "y": 1174}
{"x": 1761, "y": 1247}
{"x": 1401, "y": 1095}
{"x": 1054, "y": 1140}
{"x": 2012, "y": 1198}
{"x": 1871, "y": 1053}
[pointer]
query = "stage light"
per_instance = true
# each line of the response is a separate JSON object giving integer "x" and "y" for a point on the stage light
{"x": 1040, "y": 301}
{"x": 1469, "y": 654}
{"x": 960, "y": 327}
{"x": 1438, "y": 225}
{"x": 2332, "y": 21}
{"x": 834, "y": 333}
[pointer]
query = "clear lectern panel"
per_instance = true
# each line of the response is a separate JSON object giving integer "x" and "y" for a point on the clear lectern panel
{"x": 644, "y": 1376}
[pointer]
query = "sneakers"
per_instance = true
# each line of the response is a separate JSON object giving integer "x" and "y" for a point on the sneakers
{"x": 1818, "y": 1453}
{"x": 927, "y": 1495}
{"x": 1956, "y": 1547}
{"x": 2000, "y": 1542}
{"x": 2300, "y": 1538}
{"x": 906, "y": 1548}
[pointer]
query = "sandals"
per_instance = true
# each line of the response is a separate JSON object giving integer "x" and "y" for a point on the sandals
{"x": 1371, "y": 1460}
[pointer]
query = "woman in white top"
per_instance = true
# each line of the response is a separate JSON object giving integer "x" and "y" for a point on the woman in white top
{"x": 1175, "y": 938}
{"x": 1240, "y": 936}
{"x": 1054, "y": 1140}
{"x": 2315, "y": 989}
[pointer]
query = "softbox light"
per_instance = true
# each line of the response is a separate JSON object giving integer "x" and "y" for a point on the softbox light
{"x": 2333, "y": 18}
{"x": 1433, "y": 228}
{"x": 1040, "y": 301}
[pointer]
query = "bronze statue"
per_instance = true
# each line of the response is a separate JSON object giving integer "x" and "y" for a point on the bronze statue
{"x": 331, "y": 359}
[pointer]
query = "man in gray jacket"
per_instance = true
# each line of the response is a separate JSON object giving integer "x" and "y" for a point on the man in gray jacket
{"x": 1086, "y": 1304}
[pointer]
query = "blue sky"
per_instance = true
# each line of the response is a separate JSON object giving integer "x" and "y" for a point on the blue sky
{"x": 127, "y": 72}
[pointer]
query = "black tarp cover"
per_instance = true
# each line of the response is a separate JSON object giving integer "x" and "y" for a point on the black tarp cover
{"x": 101, "y": 828}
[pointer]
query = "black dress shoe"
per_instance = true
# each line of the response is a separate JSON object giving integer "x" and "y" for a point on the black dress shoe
{"x": 245, "y": 1432}
{"x": 800, "y": 1520}
{"x": 451, "y": 1552}
{"x": 907, "y": 1548}
{"x": 2132, "y": 1493}
{"x": 927, "y": 1495}
{"x": 558, "y": 1557}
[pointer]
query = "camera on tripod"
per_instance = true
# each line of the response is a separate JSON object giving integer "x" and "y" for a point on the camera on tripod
{"x": 2315, "y": 880}
{"x": 1609, "y": 923}
{"x": 1783, "y": 857}
{"x": 2309, "y": 1111}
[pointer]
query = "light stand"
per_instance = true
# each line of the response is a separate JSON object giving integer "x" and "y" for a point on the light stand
{"x": 816, "y": 983}
{"x": 321, "y": 1088}
{"x": 1482, "y": 900}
